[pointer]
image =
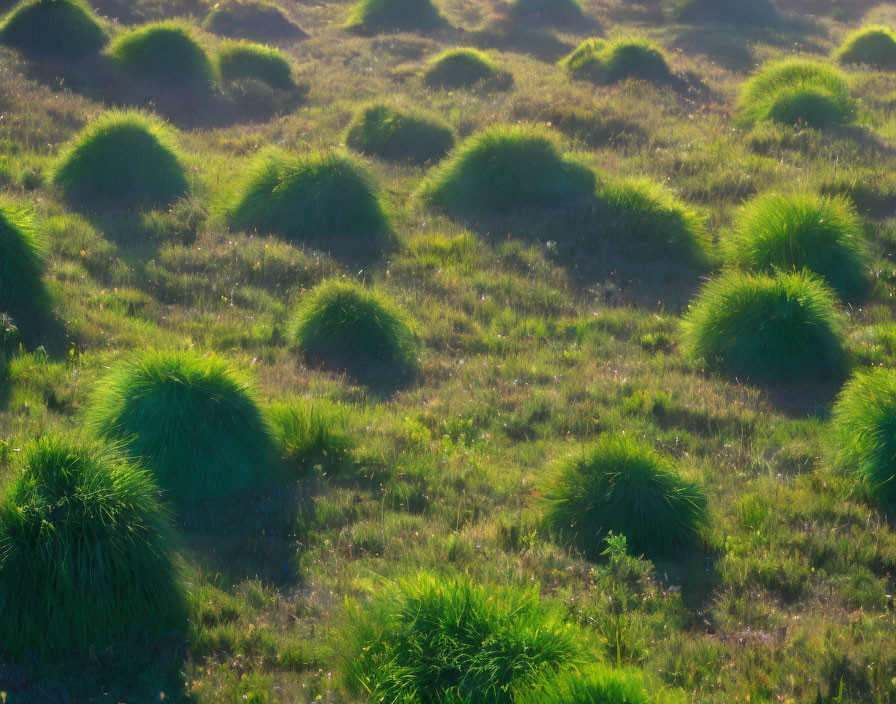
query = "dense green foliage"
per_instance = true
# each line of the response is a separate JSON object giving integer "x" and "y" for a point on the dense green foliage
{"x": 23, "y": 294}
{"x": 798, "y": 231}
{"x": 253, "y": 19}
{"x": 550, "y": 12}
{"x": 604, "y": 61}
{"x": 244, "y": 60}
{"x": 595, "y": 684}
{"x": 122, "y": 159}
{"x": 386, "y": 15}
{"x": 86, "y": 555}
{"x": 397, "y": 135}
{"x": 750, "y": 12}
{"x": 507, "y": 167}
{"x": 438, "y": 641}
{"x": 193, "y": 421}
{"x": 769, "y": 329}
{"x": 795, "y": 91}
{"x": 873, "y": 45}
{"x": 621, "y": 486}
{"x": 165, "y": 51}
{"x": 315, "y": 197}
{"x": 461, "y": 68}
{"x": 312, "y": 434}
{"x": 865, "y": 422}
{"x": 66, "y": 29}
{"x": 345, "y": 327}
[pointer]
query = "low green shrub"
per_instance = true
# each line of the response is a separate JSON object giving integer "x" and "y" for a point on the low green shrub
{"x": 65, "y": 29}
{"x": 244, "y": 60}
{"x": 875, "y": 46}
{"x": 252, "y": 19}
{"x": 462, "y": 68}
{"x": 165, "y": 51}
{"x": 610, "y": 61}
{"x": 396, "y": 135}
{"x": 396, "y": 15}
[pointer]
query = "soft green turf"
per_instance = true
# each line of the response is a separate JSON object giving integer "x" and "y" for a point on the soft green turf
{"x": 244, "y": 60}
{"x": 398, "y": 135}
{"x": 65, "y": 29}
{"x": 610, "y": 61}
{"x": 165, "y": 51}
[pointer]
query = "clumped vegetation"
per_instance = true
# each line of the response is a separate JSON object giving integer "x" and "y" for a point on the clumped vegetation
{"x": 595, "y": 684}
{"x": 164, "y": 51}
{"x": 315, "y": 197}
{"x": 87, "y": 555}
{"x": 479, "y": 642}
{"x": 313, "y": 434}
{"x": 252, "y": 19}
{"x": 611, "y": 61}
{"x": 768, "y": 329}
{"x": 65, "y": 29}
{"x": 462, "y": 68}
{"x": 559, "y": 13}
{"x": 345, "y": 327}
{"x": 194, "y": 421}
{"x": 620, "y": 486}
{"x": 508, "y": 167}
{"x": 796, "y": 231}
{"x": 122, "y": 159}
{"x": 23, "y": 293}
{"x": 243, "y": 60}
{"x": 750, "y": 12}
{"x": 874, "y": 45}
{"x": 795, "y": 91}
{"x": 396, "y": 15}
{"x": 398, "y": 135}
{"x": 865, "y": 418}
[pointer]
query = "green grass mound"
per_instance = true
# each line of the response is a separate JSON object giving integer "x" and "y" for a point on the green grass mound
{"x": 506, "y": 167}
{"x": 434, "y": 640}
{"x": 165, "y": 51}
{"x": 395, "y": 135}
{"x": 396, "y": 15}
{"x": 66, "y": 29}
{"x": 875, "y": 46}
{"x": 193, "y": 421}
{"x": 23, "y": 293}
{"x": 769, "y": 329}
{"x": 312, "y": 435}
{"x": 795, "y": 91}
{"x": 749, "y": 12}
{"x": 595, "y": 684}
{"x": 9, "y": 344}
{"x": 311, "y": 197}
{"x": 799, "y": 231}
{"x": 86, "y": 555}
{"x": 557, "y": 13}
{"x": 461, "y": 68}
{"x": 239, "y": 61}
{"x": 122, "y": 159}
{"x": 619, "y": 485}
{"x": 345, "y": 327}
{"x": 865, "y": 422}
{"x": 603, "y": 61}
{"x": 252, "y": 20}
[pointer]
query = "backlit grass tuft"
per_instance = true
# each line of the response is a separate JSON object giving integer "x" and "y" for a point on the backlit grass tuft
{"x": 748, "y": 12}
{"x": 874, "y": 45}
{"x": 611, "y": 61}
{"x": 65, "y": 29}
{"x": 462, "y": 68}
{"x": 397, "y": 135}
{"x": 23, "y": 293}
{"x": 251, "y": 19}
{"x": 165, "y": 51}
{"x": 556, "y": 13}
{"x": 244, "y": 60}
{"x": 395, "y": 15}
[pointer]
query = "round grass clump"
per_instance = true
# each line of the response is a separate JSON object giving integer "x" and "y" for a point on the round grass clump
{"x": 798, "y": 231}
{"x": 165, "y": 51}
{"x": 193, "y": 421}
{"x": 243, "y": 60}
{"x": 506, "y": 167}
{"x": 610, "y": 61}
{"x": 87, "y": 555}
{"x": 795, "y": 91}
{"x": 875, "y": 46}
{"x": 396, "y": 135}
{"x": 252, "y": 19}
{"x": 461, "y": 68}
{"x": 343, "y": 326}
{"x": 865, "y": 422}
{"x": 556, "y": 13}
{"x": 122, "y": 159}
{"x": 622, "y": 486}
{"x": 769, "y": 329}
{"x": 750, "y": 12}
{"x": 396, "y": 15}
{"x": 437, "y": 640}
{"x": 23, "y": 293}
{"x": 311, "y": 435}
{"x": 65, "y": 29}
{"x": 312, "y": 197}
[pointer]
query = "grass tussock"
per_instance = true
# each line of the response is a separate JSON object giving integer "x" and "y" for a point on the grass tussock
{"x": 550, "y": 13}
{"x": 507, "y": 167}
{"x": 768, "y": 329}
{"x": 874, "y": 45}
{"x": 434, "y": 640}
{"x": 398, "y": 135}
{"x": 796, "y": 231}
{"x": 164, "y": 51}
{"x": 463, "y": 68}
{"x": 87, "y": 555}
{"x": 796, "y": 91}
{"x": 348, "y": 328}
{"x": 312, "y": 436}
{"x": 240, "y": 61}
{"x": 65, "y": 29}
{"x": 610, "y": 61}
{"x": 594, "y": 684}
{"x": 760, "y": 13}
{"x": 621, "y": 486}
{"x": 396, "y": 15}
{"x": 251, "y": 19}
{"x": 313, "y": 197}
{"x": 23, "y": 293}
{"x": 122, "y": 159}
{"x": 194, "y": 422}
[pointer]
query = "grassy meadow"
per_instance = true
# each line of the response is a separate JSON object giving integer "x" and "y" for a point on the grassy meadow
{"x": 467, "y": 353}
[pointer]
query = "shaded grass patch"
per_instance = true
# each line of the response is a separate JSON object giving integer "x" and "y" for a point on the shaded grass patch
{"x": 23, "y": 293}
{"x": 395, "y": 15}
{"x": 397, "y": 135}
{"x": 463, "y": 68}
{"x": 251, "y": 19}
{"x": 244, "y": 60}
{"x": 874, "y": 45}
{"x": 66, "y": 29}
